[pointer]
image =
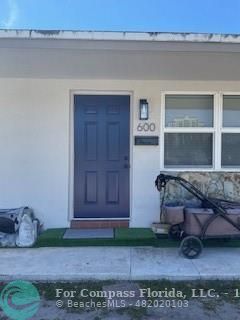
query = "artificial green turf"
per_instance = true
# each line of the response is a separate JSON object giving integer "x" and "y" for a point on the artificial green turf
{"x": 134, "y": 233}
{"x": 122, "y": 237}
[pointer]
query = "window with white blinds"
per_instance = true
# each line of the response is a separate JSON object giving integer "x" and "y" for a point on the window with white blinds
{"x": 230, "y": 149}
{"x": 230, "y": 131}
{"x": 189, "y": 111}
{"x": 231, "y": 111}
{"x": 188, "y": 131}
{"x": 201, "y": 131}
{"x": 188, "y": 149}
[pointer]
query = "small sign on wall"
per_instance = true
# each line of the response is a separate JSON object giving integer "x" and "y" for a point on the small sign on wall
{"x": 146, "y": 140}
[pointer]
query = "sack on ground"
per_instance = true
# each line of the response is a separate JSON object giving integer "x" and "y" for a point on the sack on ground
{"x": 27, "y": 233}
{"x": 18, "y": 227}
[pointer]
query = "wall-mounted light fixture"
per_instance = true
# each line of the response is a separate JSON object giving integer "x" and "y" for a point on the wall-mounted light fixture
{"x": 143, "y": 109}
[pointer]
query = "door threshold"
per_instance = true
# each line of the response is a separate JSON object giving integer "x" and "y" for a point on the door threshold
{"x": 89, "y": 224}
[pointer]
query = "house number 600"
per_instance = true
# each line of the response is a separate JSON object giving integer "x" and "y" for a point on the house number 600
{"x": 146, "y": 127}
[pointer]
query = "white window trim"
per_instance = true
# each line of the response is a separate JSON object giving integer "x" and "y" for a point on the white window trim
{"x": 217, "y": 131}
{"x": 226, "y": 129}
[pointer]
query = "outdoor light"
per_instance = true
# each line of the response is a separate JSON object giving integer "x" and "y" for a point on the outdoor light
{"x": 143, "y": 109}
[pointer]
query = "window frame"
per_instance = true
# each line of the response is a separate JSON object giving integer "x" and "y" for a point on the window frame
{"x": 217, "y": 130}
{"x": 223, "y": 129}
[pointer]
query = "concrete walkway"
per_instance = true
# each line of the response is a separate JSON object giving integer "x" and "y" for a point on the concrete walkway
{"x": 119, "y": 263}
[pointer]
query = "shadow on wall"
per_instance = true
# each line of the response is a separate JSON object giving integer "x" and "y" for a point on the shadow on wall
{"x": 224, "y": 185}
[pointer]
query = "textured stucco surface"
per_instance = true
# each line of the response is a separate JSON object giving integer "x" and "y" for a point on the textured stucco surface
{"x": 225, "y": 185}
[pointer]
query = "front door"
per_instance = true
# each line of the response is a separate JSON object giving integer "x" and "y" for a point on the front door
{"x": 101, "y": 156}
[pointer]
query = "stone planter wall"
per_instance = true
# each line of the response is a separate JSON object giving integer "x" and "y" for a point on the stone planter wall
{"x": 224, "y": 185}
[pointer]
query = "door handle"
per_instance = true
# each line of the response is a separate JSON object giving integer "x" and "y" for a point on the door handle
{"x": 126, "y": 166}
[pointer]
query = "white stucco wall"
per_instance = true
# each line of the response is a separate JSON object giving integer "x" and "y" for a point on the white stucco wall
{"x": 35, "y": 136}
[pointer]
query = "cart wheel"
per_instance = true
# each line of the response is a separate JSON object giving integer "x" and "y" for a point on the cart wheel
{"x": 191, "y": 247}
{"x": 175, "y": 232}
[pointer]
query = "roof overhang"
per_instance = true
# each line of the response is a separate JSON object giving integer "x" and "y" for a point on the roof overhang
{"x": 119, "y": 55}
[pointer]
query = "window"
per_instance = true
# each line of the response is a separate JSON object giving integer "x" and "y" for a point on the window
{"x": 188, "y": 149}
{"x": 201, "y": 131}
{"x": 230, "y": 135}
{"x": 230, "y": 149}
{"x": 188, "y": 131}
{"x": 189, "y": 111}
{"x": 231, "y": 111}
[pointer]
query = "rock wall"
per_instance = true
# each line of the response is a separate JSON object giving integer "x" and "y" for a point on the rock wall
{"x": 224, "y": 185}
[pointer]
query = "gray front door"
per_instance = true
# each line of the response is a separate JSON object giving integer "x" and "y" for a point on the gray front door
{"x": 101, "y": 156}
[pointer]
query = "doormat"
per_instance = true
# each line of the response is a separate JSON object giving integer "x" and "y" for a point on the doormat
{"x": 89, "y": 234}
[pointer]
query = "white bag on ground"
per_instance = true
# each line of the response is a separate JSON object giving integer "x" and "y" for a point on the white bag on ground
{"x": 27, "y": 233}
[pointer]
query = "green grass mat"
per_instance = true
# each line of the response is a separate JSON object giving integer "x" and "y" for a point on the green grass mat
{"x": 134, "y": 234}
{"x": 122, "y": 237}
